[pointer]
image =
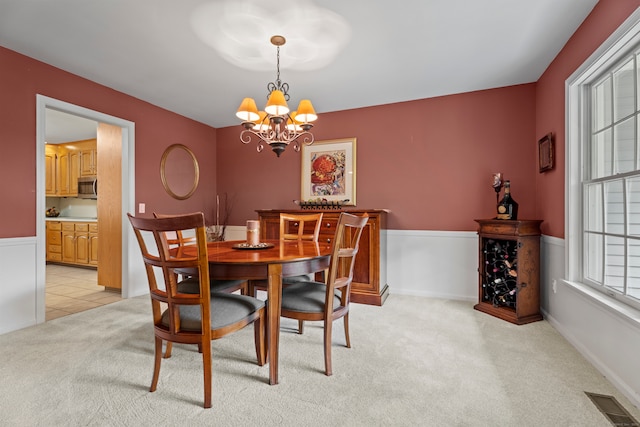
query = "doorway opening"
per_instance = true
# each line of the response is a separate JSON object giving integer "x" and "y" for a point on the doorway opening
{"x": 124, "y": 194}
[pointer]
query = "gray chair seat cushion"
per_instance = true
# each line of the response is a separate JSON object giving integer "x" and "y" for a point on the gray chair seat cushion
{"x": 295, "y": 279}
{"x": 307, "y": 297}
{"x": 192, "y": 285}
{"x": 226, "y": 309}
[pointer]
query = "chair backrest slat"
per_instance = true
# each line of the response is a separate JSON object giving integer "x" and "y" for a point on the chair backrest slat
{"x": 299, "y": 221}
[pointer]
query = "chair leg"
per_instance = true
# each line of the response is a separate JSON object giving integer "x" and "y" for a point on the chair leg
{"x": 300, "y": 327}
{"x": 346, "y": 330}
{"x": 156, "y": 365}
{"x": 259, "y": 328}
{"x": 206, "y": 361}
{"x": 251, "y": 290}
{"x": 167, "y": 351}
{"x": 328, "y": 324}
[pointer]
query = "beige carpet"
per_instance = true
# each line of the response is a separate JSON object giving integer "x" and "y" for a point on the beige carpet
{"x": 414, "y": 362}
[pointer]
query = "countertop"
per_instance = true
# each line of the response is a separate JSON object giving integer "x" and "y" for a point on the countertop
{"x": 71, "y": 218}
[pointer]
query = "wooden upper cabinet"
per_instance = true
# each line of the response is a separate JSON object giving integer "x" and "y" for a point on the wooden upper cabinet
{"x": 65, "y": 163}
{"x": 88, "y": 157}
{"x": 50, "y": 166}
{"x": 63, "y": 175}
{"x": 74, "y": 172}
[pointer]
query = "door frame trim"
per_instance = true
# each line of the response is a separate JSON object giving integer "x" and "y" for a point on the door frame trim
{"x": 127, "y": 190}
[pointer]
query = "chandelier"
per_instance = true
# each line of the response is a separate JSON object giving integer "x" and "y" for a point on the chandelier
{"x": 276, "y": 125}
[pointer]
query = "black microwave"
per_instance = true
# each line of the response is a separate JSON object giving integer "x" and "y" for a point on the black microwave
{"x": 88, "y": 187}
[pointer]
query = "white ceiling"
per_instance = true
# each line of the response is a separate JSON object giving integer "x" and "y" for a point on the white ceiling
{"x": 63, "y": 127}
{"x": 200, "y": 58}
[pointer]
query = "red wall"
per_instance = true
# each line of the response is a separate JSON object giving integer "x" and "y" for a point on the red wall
{"x": 21, "y": 78}
{"x": 429, "y": 161}
{"x": 550, "y": 103}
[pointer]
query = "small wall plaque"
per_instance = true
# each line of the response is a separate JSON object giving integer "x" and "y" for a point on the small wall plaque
{"x": 545, "y": 153}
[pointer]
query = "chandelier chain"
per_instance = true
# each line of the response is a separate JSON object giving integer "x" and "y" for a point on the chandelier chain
{"x": 278, "y": 85}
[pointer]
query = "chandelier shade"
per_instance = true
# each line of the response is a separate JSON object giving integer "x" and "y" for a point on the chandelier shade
{"x": 305, "y": 112}
{"x": 276, "y": 105}
{"x": 248, "y": 111}
{"x": 276, "y": 126}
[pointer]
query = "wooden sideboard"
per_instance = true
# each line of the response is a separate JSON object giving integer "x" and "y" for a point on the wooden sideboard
{"x": 369, "y": 284}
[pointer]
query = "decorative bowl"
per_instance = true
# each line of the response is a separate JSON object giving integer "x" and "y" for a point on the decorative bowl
{"x": 321, "y": 204}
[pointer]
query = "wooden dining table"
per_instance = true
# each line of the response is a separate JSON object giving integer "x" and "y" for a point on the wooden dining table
{"x": 281, "y": 259}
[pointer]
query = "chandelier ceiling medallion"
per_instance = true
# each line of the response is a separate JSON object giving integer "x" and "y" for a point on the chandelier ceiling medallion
{"x": 276, "y": 125}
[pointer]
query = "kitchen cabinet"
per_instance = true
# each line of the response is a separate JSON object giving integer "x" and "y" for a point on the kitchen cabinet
{"x": 369, "y": 284}
{"x": 54, "y": 241}
{"x": 62, "y": 168}
{"x": 509, "y": 269}
{"x": 88, "y": 157}
{"x": 74, "y": 172}
{"x": 93, "y": 244}
{"x": 68, "y": 171}
{"x": 50, "y": 166}
{"x": 74, "y": 243}
{"x": 63, "y": 172}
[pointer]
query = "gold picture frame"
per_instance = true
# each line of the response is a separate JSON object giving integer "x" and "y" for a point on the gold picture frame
{"x": 545, "y": 153}
{"x": 179, "y": 164}
{"x": 329, "y": 171}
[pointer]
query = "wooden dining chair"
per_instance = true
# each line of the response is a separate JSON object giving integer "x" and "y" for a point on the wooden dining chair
{"x": 293, "y": 227}
{"x": 179, "y": 314}
{"x": 178, "y": 240}
{"x": 328, "y": 302}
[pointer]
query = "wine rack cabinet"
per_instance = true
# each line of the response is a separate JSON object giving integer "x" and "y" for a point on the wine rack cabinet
{"x": 509, "y": 269}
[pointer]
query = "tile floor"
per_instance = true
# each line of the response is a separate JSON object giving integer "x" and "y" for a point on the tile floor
{"x": 71, "y": 290}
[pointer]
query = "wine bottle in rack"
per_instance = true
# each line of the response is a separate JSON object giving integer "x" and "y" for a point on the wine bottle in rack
{"x": 499, "y": 284}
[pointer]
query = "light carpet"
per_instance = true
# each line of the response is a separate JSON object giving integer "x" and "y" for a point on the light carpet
{"x": 413, "y": 362}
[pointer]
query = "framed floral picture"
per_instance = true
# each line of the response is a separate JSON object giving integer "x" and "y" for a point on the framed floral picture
{"x": 329, "y": 171}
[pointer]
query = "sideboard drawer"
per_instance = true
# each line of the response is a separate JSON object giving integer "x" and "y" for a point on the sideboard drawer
{"x": 328, "y": 228}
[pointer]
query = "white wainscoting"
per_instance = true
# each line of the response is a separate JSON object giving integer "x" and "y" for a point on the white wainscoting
{"x": 18, "y": 284}
{"x": 438, "y": 264}
{"x": 603, "y": 332}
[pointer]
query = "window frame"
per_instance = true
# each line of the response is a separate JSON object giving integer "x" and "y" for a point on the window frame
{"x": 622, "y": 43}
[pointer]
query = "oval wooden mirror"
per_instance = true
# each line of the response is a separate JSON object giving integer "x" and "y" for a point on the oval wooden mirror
{"x": 179, "y": 171}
